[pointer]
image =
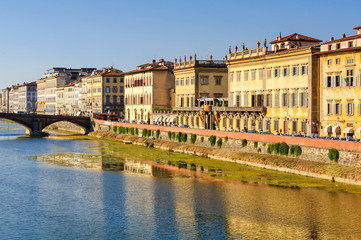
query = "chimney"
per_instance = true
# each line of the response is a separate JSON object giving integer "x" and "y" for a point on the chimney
{"x": 211, "y": 57}
{"x": 153, "y": 60}
{"x": 332, "y": 38}
{"x": 343, "y": 35}
{"x": 175, "y": 60}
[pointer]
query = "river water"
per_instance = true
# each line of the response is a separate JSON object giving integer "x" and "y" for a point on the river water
{"x": 39, "y": 200}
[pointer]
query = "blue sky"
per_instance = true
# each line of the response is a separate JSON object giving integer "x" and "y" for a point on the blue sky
{"x": 40, "y": 34}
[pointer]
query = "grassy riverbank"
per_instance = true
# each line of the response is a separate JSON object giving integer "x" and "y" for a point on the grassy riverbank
{"x": 228, "y": 170}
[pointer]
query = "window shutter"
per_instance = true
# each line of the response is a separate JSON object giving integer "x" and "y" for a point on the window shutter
{"x": 335, "y": 108}
{"x": 325, "y": 85}
{"x": 352, "y": 108}
{"x": 359, "y": 109}
{"x": 354, "y": 82}
{"x": 343, "y": 82}
{"x": 333, "y": 81}
{"x": 359, "y": 80}
{"x": 347, "y": 108}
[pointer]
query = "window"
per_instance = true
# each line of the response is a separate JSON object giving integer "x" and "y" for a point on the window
{"x": 337, "y": 108}
{"x": 329, "y": 108}
{"x": 107, "y": 80}
{"x": 329, "y": 81}
{"x": 121, "y": 89}
{"x": 121, "y": 100}
{"x": 187, "y": 81}
{"x": 107, "y": 89}
{"x": 338, "y": 46}
{"x": 349, "y": 60}
{"x": 115, "y": 99}
{"x": 337, "y": 81}
{"x": 238, "y": 76}
{"x": 177, "y": 82}
{"x": 304, "y": 70}
{"x": 231, "y": 77}
{"x": 238, "y": 123}
{"x": 245, "y": 75}
{"x": 349, "y": 108}
{"x": 100, "y": 90}
{"x": 350, "y": 80}
{"x": 275, "y": 125}
{"x": 253, "y": 74}
{"x": 285, "y": 71}
{"x": 245, "y": 123}
{"x": 218, "y": 80}
{"x": 294, "y": 126}
{"x": 337, "y": 61}
{"x": 121, "y": 80}
{"x": 238, "y": 101}
{"x": 294, "y": 71}
{"x": 107, "y": 99}
{"x": 268, "y": 125}
{"x": 277, "y": 72}
{"x": 192, "y": 80}
{"x": 115, "y": 89}
{"x": 260, "y": 74}
{"x": 277, "y": 99}
{"x": 303, "y": 99}
{"x": 114, "y": 80}
{"x": 285, "y": 99}
{"x": 350, "y": 44}
{"x": 246, "y": 99}
{"x": 329, "y": 47}
{"x": 359, "y": 109}
{"x": 293, "y": 100}
{"x": 204, "y": 80}
{"x": 268, "y": 102}
{"x": 269, "y": 73}
{"x": 303, "y": 126}
{"x": 329, "y": 61}
{"x": 182, "y": 82}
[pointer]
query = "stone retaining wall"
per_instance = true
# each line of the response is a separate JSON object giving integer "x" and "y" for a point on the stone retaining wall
{"x": 312, "y": 149}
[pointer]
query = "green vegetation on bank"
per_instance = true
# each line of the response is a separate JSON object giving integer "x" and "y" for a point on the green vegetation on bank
{"x": 117, "y": 151}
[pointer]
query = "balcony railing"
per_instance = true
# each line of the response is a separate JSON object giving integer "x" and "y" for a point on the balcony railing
{"x": 195, "y": 63}
{"x": 248, "y": 53}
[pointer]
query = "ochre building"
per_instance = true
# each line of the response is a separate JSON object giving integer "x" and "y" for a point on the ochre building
{"x": 340, "y": 86}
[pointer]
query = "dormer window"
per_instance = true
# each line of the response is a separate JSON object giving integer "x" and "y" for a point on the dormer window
{"x": 350, "y": 44}
{"x": 329, "y": 47}
{"x": 338, "y": 46}
{"x": 283, "y": 45}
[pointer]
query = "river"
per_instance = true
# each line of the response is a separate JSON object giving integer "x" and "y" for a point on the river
{"x": 39, "y": 200}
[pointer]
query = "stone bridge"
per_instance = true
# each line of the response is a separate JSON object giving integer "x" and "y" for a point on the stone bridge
{"x": 34, "y": 123}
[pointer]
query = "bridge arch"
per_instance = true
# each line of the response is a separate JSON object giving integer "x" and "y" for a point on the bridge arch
{"x": 83, "y": 126}
{"x": 23, "y": 124}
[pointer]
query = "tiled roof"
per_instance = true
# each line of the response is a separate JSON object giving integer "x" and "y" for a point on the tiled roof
{"x": 344, "y": 39}
{"x": 339, "y": 50}
{"x": 296, "y": 37}
{"x": 358, "y": 27}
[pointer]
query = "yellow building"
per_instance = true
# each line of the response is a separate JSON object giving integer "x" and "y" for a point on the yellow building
{"x": 105, "y": 91}
{"x": 340, "y": 86}
{"x": 197, "y": 83}
{"x": 275, "y": 91}
{"x": 148, "y": 88}
{"x": 60, "y": 102}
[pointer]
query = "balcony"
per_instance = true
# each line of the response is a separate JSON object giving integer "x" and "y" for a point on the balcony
{"x": 200, "y": 63}
{"x": 248, "y": 53}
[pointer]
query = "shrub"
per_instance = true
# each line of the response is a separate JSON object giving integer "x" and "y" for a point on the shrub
{"x": 149, "y": 133}
{"x": 292, "y": 150}
{"x": 127, "y": 130}
{"x": 92, "y": 123}
{"x": 151, "y": 145}
{"x": 297, "y": 150}
{"x": 169, "y": 135}
{"x": 202, "y": 139}
{"x": 193, "y": 138}
{"x": 255, "y": 144}
{"x": 270, "y": 148}
{"x": 284, "y": 149}
{"x": 131, "y": 130}
{"x": 136, "y": 132}
{"x": 115, "y": 129}
{"x": 333, "y": 154}
{"x": 144, "y": 132}
{"x": 184, "y": 137}
{"x": 226, "y": 139}
{"x": 108, "y": 128}
{"x": 173, "y": 135}
{"x": 244, "y": 142}
{"x": 276, "y": 148}
{"x": 212, "y": 140}
{"x": 219, "y": 142}
{"x": 263, "y": 144}
{"x": 178, "y": 136}
{"x": 259, "y": 150}
{"x": 157, "y": 133}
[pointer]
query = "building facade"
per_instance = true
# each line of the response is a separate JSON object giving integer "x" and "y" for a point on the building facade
{"x": 148, "y": 88}
{"x": 27, "y": 97}
{"x": 340, "y": 86}
{"x": 284, "y": 81}
{"x": 198, "y": 83}
{"x": 105, "y": 91}
{"x": 5, "y": 100}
